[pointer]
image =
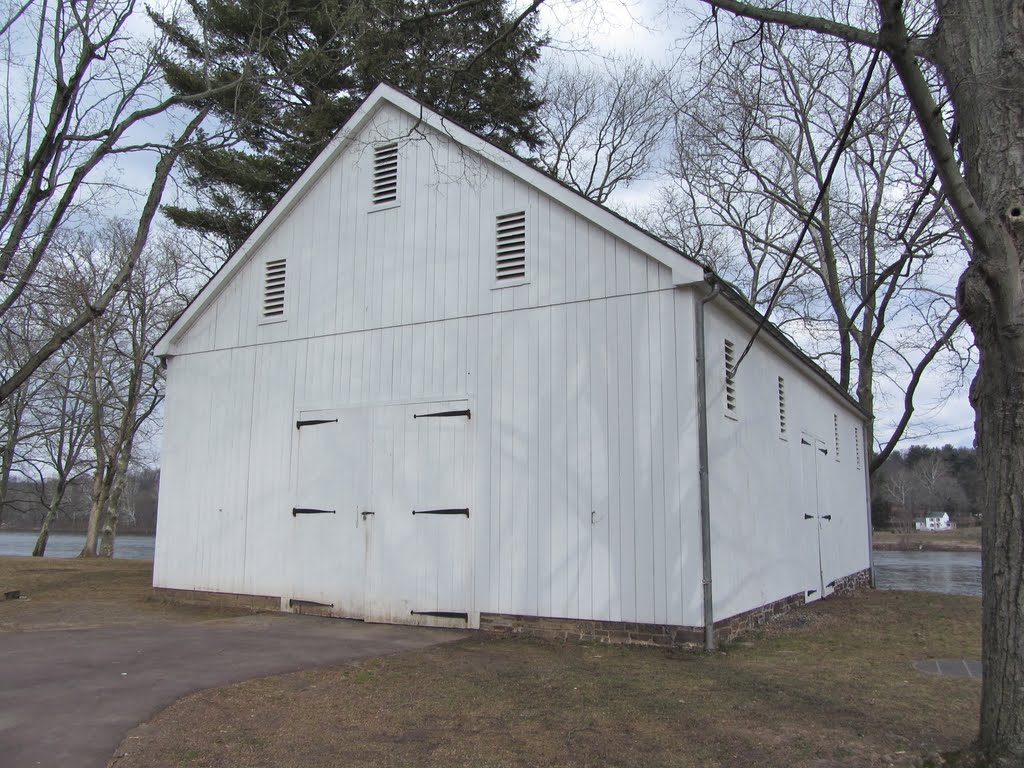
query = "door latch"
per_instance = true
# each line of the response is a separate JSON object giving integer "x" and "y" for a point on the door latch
{"x": 365, "y": 512}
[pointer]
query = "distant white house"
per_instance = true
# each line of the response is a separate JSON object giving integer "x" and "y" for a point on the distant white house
{"x": 933, "y": 521}
{"x": 435, "y": 386}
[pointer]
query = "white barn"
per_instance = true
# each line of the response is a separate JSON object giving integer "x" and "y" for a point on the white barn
{"x": 435, "y": 386}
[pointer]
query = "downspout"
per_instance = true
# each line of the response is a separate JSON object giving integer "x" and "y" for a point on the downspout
{"x": 867, "y": 495}
{"x": 702, "y": 455}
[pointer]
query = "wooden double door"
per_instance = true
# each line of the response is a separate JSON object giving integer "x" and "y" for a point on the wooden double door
{"x": 381, "y": 527}
{"x": 822, "y": 529}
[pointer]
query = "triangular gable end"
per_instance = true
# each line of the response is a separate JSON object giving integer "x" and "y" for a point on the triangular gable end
{"x": 684, "y": 270}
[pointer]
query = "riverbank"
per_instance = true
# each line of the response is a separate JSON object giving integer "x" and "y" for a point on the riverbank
{"x": 960, "y": 540}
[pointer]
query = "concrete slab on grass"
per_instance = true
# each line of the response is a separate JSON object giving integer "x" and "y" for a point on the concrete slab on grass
{"x": 950, "y": 667}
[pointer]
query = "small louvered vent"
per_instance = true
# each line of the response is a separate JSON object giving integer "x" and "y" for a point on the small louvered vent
{"x": 730, "y": 377}
{"x": 385, "y": 173}
{"x": 858, "y": 437}
{"x": 510, "y": 253}
{"x": 782, "y": 407}
{"x": 835, "y": 428}
{"x": 273, "y": 288}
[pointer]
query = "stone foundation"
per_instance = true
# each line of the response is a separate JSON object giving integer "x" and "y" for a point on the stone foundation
{"x": 853, "y": 582}
{"x": 254, "y": 603}
{"x": 545, "y": 627}
{"x": 667, "y": 635}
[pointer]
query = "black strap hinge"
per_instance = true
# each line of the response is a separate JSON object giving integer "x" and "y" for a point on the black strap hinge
{"x": 443, "y": 414}
{"x": 309, "y": 511}
{"x": 441, "y": 512}
{"x": 803, "y": 442}
{"x": 824, "y": 450}
{"x": 808, "y": 517}
{"x": 830, "y": 584}
{"x": 826, "y": 517}
{"x": 311, "y": 422}
{"x": 442, "y": 614}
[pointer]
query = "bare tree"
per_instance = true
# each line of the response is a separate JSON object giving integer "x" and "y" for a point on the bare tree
{"x": 756, "y": 134}
{"x": 60, "y": 409}
{"x": 82, "y": 95}
{"x": 124, "y": 379}
{"x": 602, "y": 127}
{"x": 972, "y": 118}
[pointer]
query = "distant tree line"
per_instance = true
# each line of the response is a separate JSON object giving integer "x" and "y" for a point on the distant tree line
{"x": 922, "y": 480}
{"x": 27, "y": 504}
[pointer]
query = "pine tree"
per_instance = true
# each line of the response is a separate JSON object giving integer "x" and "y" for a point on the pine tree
{"x": 307, "y": 64}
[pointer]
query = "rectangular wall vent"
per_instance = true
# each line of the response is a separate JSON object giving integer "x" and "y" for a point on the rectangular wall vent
{"x": 858, "y": 437}
{"x": 385, "y": 173}
{"x": 782, "y": 407}
{"x": 510, "y": 252}
{"x": 730, "y": 377}
{"x": 273, "y": 288}
{"x": 835, "y": 428}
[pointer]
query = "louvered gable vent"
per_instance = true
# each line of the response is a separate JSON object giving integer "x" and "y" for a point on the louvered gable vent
{"x": 730, "y": 377}
{"x": 273, "y": 288}
{"x": 385, "y": 173}
{"x": 510, "y": 254}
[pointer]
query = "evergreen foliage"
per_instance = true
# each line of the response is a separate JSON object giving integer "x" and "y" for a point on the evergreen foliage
{"x": 305, "y": 65}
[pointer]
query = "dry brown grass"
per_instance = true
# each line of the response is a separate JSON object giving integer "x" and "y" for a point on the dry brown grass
{"x": 831, "y": 685}
{"x": 958, "y": 540}
{"x": 65, "y": 593}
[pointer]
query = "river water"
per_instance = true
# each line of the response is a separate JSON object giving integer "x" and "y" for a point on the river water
{"x": 128, "y": 546}
{"x": 954, "y": 573}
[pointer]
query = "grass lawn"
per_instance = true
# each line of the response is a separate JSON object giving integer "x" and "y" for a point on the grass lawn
{"x": 829, "y": 685}
{"x": 70, "y": 593}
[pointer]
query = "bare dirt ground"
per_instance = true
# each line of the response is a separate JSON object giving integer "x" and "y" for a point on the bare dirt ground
{"x": 831, "y": 685}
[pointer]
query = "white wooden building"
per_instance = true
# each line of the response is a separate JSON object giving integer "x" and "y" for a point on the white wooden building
{"x": 436, "y": 386}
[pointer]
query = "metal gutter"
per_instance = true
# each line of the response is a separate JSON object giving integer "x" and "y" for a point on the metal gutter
{"x": 703, "y": 462}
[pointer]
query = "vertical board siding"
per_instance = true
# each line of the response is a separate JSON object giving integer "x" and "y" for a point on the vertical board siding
{"x": 582, "y": 469}
{"x": 581, "y": 381}
{"x": 759, "y": 487}
{"x": 429, "y": 258}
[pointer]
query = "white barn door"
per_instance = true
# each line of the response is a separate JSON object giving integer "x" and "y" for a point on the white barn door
{"x": 820, "y": 539}
{"x": 418, "y": 566}
{"x": 331, "y": 476}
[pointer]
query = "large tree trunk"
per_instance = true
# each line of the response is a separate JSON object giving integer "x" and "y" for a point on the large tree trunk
{"x": 51, "y": 514}
{"x": 981, "y": 54}
{"x": 98, "y": 503}
{"x": 109, "y": 531}
{"x": 999, "y": 402}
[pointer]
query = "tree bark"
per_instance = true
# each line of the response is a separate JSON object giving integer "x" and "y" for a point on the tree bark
{"x": 98, "y": 503}
{"x": 39, "y": 550}
{"x": 980, "y": 52}
{"x": 109, "y": 532}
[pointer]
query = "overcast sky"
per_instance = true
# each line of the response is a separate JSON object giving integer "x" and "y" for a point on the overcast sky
{"x": 583, "y": 30}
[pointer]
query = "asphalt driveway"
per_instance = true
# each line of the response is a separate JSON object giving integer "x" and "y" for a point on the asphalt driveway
{"x": 68, "y": 697}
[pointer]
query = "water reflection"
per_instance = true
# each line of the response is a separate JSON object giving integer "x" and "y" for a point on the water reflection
{"x": 954, "y": 573}
{"x": 127, "y": 546}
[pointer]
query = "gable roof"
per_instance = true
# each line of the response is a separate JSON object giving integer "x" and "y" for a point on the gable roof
{"x": 685, "y": 269}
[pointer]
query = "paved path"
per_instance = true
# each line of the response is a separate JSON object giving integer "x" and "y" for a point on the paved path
{"x": 68, "y": 697}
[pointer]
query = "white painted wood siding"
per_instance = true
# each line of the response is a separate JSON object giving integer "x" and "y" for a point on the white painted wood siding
{"x": 585, "y": 482}
{"x": 429, "y": 258}
{"x": 581, "y": 382}
{"x": 763, "y": 548}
